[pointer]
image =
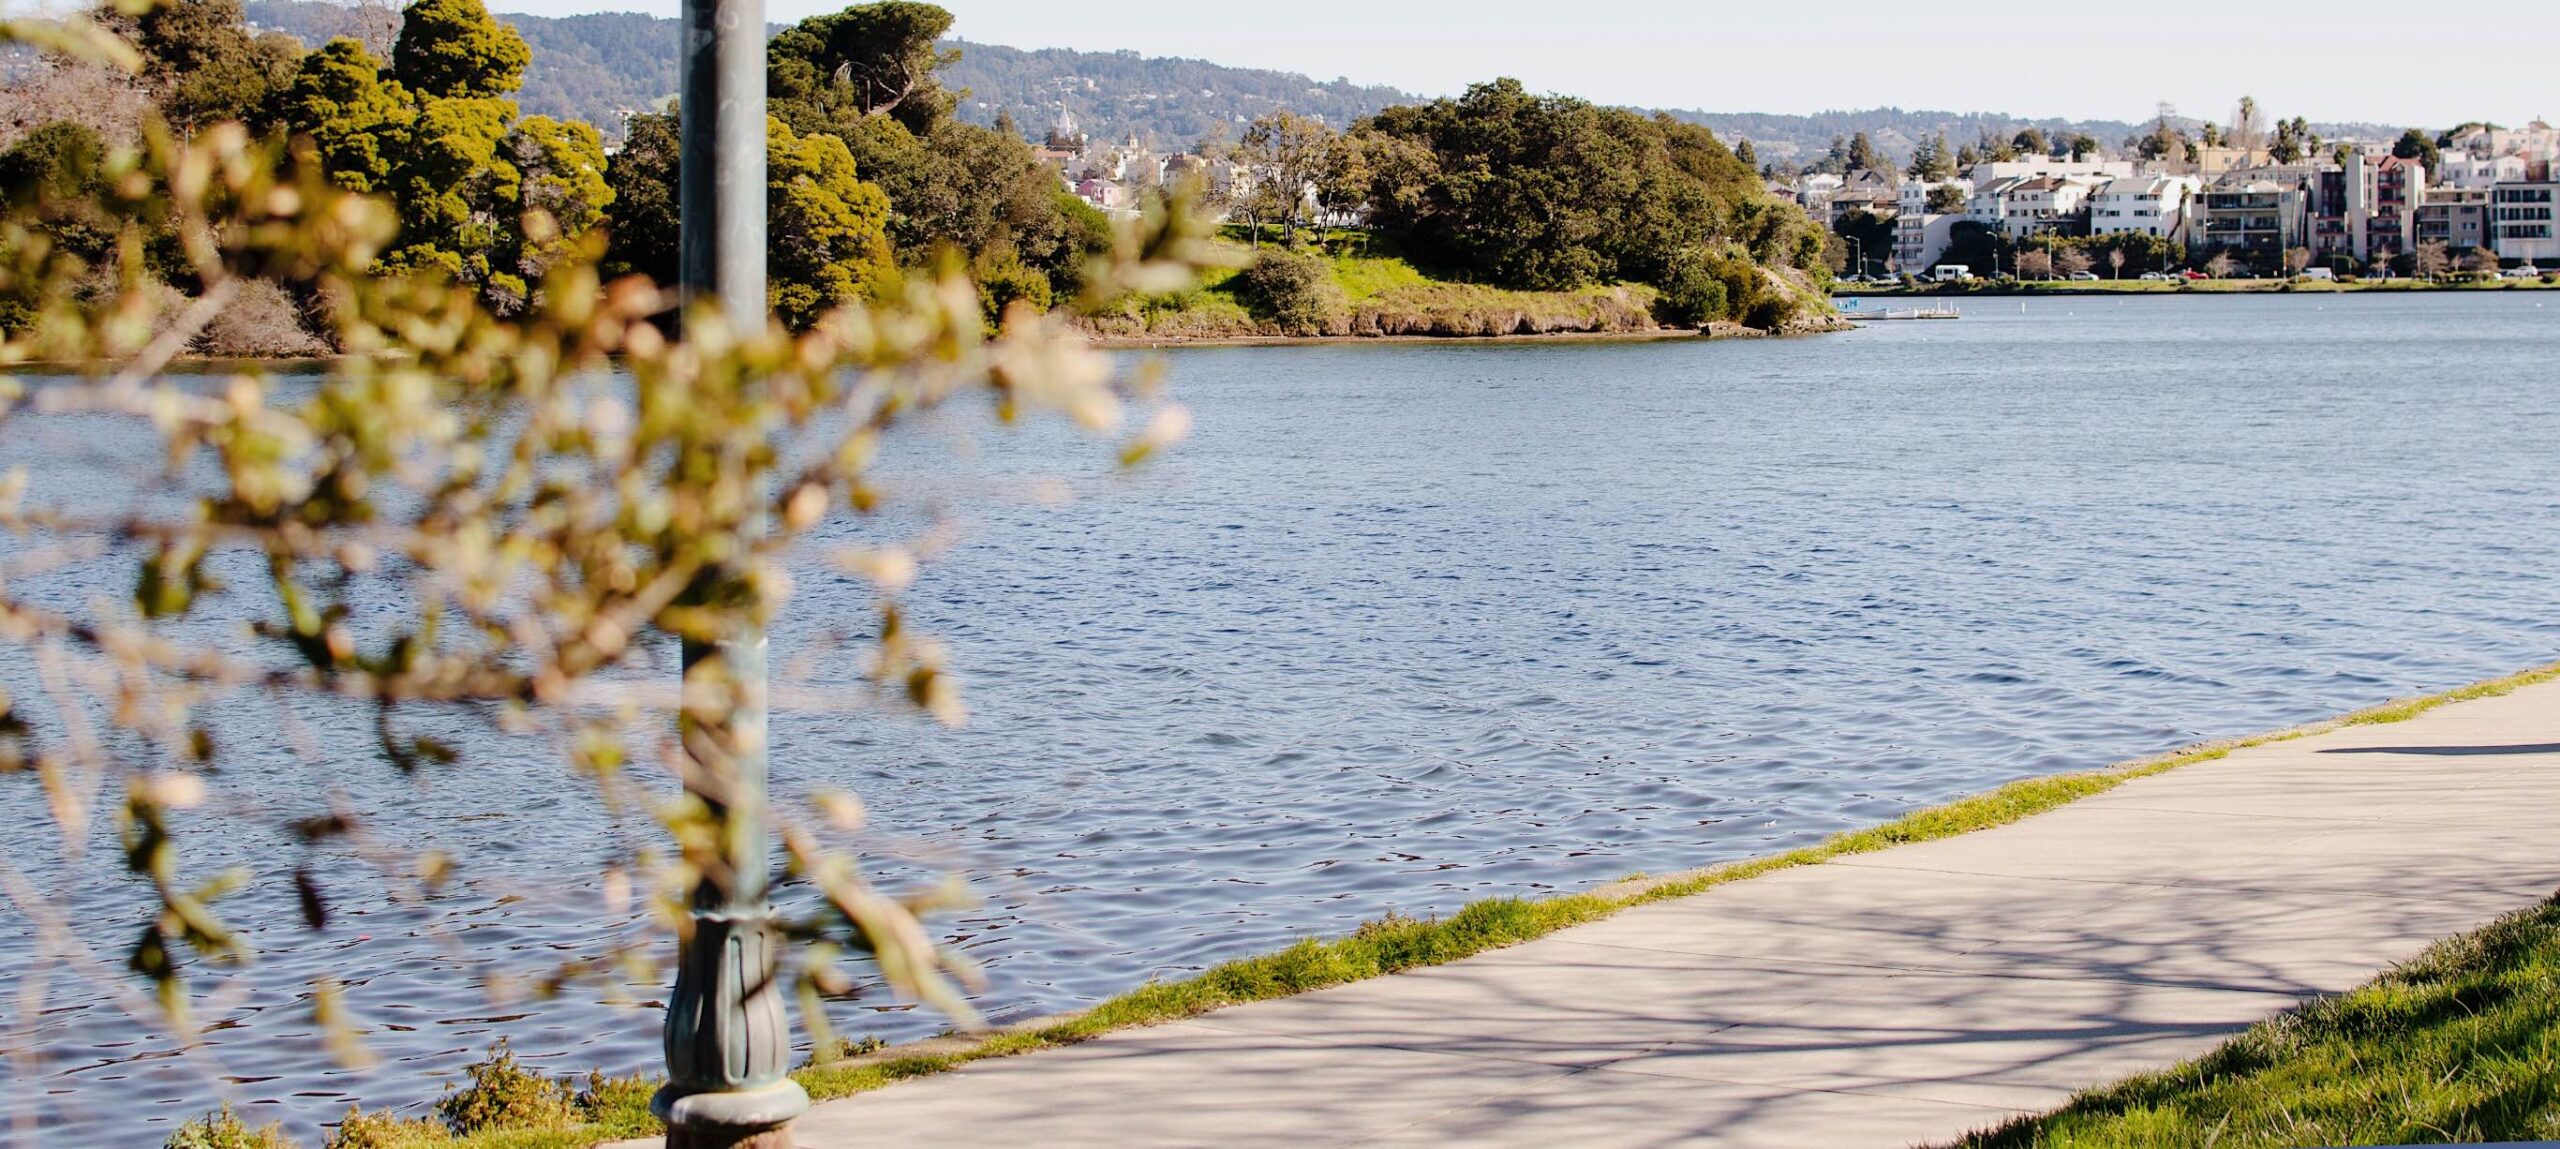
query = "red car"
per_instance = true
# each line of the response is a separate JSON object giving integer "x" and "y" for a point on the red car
{"x": 2193, "y": 274}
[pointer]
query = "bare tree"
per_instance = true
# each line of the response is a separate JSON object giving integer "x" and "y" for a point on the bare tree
{"x": 2221, "y": 265}
{"x": 1288, "y": 156}
{"x": 52, "y": 89}
{"x": 2072, "y": 261}
{"x": 2115, "y": 262}
{"x": 2248, "y": 125}
{"x": 2296, "y": 260}
{"x": 375, "y": 23}
{"x": 2432, "y": 260}
{"x": 2035, "y": 265}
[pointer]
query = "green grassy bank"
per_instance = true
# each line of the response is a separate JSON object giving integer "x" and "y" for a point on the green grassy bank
{"x": 1370, "y": 291}
{"x": 504, "y": 1107}
{"x": 1359, "y": 286}
{"x": 2460, "y": 1044}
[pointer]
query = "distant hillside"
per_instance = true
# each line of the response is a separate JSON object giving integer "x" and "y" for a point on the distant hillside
{"x": 1803, "y": 139}
{"x": 598, "y": 67}
{"x": 593, "y": 68}
{"x": 1169, "y": 101}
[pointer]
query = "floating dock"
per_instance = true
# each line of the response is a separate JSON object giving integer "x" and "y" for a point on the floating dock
{"x": 1935, "y": 311}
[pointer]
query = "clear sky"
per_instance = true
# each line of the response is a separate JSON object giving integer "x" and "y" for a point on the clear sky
{"x": 2336, "y": 60}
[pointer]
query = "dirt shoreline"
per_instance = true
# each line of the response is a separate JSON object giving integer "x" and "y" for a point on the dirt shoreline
{"x": 1714, "y": 331}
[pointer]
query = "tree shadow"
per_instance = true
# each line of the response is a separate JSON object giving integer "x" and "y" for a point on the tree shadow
{"x": 2452, "y": 751}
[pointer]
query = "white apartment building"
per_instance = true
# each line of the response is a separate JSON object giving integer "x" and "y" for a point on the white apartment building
{"x": 2534, "y": 141}
{"x": 2027, "y": 205}
{"x": 2143, "y": 205}
{"x": 2050, "y": 167}
{"x": 1815, "y": 192}
{"x": 2460, "y": 169}
{"x": 2521, "y": 214}
{"x": 1920, "y": 236}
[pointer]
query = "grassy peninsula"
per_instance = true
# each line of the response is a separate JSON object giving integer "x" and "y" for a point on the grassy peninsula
{"x": 1356, "y": 283}
{"x": 1498, "y": 212}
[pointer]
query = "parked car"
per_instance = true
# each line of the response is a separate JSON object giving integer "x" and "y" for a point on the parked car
{"x": 2525, "y": 272}
{"x": 2157, "y": 277}
{"x": 2192, "y": 273}
{"x": 2083, "y": 277}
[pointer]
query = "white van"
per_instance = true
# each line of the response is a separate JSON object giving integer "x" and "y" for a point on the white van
{"x": 1951, "y": 272}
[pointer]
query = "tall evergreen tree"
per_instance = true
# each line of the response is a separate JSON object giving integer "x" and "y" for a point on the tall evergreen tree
{"x": 359, "y": 122}
{"x": 452, "y": 49}
{"x": 202, "y": 64}
{"x": 641, "y": 219}
{"x": 1863, "y": 155}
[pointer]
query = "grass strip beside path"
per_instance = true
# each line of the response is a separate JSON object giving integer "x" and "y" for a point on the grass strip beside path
{"x": 1396, "y": 944}
{"x": 2460, "y": 1044}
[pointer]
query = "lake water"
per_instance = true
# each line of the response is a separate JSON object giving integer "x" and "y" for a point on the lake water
{"x": 1404, "y": 626}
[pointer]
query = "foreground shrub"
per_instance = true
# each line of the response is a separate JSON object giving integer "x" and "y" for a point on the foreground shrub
{"x": 1295, "y": 289}
{"x": 839, "y": 1048}
{"x": 1772, "y": 311}
{"x": 1692, "y": 296}
{"x": 223, "y": 1129}
{"x": 384, "y": 1130}
{"x": 1005, "y": 279}
{"x": 260, "y": 322}
{"x": 503, "y": 1094}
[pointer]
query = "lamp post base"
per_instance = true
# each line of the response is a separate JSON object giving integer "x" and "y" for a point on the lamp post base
{"x": 758, "y": 1118}
{"x": 778, "y": 1138}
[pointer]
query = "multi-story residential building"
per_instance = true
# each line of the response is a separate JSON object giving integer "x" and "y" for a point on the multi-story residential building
{"x": 2461, "y": 170}
{"x": 2364, "y": 209}
{"x": 1869, "y": 190}
{"x": 1881, "y": 202}
{"x": 2341, "y": 195}
{"x": 2143, "y": 205}
{"x": 2534, "y": 141}
{"x": 2457, "y": 217}
{"x": 1814, "y": 191}
{"x": 2035, "y": 205}
{"x": 2049, "y": 166}
{"x": 1920, "y": 235}
{"x": 2252, "y": 216}
{"x": 2046, "y": 203}
{"x": 2213, "y": 162}
{"x": 2391, "y": 228}
{"x": 2522, "y": 214}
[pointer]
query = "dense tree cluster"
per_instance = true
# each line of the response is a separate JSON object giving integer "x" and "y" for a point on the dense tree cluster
{"x": 871, "y": 170}
{"x": 201, "y": 65}
{"x": 438, "y": 131}
{"x": 1551, "y": 193}
{"x": 870, "y": 76}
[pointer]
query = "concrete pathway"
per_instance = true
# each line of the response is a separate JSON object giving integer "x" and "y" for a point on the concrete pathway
{"x": 1902, "y": 997}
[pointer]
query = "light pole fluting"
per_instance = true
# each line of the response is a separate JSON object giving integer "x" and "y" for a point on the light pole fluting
{"x": 728, "y": 1038}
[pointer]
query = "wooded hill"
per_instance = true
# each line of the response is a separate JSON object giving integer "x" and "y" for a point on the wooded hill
{"x": 602, "y": 66}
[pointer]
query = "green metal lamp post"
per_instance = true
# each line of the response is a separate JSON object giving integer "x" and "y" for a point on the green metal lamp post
{"x": 728, "y": 1039}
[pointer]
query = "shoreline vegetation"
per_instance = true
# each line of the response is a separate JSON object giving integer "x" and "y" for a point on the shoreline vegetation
{"x": 504, "y": 1106}
{"x": 1347, "y": 284}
